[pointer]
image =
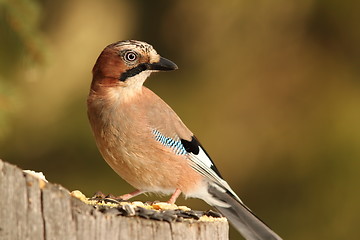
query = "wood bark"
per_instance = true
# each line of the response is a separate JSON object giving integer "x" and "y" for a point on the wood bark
{"x": 29, "y": 210}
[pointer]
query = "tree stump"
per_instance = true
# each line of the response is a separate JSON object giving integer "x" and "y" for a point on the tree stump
{"x": 30, "y": 209}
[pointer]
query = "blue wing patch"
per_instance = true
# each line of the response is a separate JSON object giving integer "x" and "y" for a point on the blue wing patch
{"x": 169, "y": 142}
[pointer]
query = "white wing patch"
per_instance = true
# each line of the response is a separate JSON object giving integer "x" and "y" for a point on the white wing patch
{"x": 202, "y": 163}
{"x": 201, "y": 156}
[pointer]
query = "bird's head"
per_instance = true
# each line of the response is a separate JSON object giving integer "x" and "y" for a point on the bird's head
{"x": 127, "y": 64}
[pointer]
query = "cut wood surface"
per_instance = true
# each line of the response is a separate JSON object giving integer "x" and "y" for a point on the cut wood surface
{"x": 30, "y": 209}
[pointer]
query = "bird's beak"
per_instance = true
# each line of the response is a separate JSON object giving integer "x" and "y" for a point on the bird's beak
{"x": 163, "y": 65}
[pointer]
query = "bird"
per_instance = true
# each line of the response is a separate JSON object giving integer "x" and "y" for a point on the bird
{"x": 146, "y": 143}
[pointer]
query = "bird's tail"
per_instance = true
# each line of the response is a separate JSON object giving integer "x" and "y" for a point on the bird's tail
{"x": 240, "y": 216}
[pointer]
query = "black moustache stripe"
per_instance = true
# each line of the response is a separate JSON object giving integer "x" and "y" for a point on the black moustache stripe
{"x": 133, "y": 71}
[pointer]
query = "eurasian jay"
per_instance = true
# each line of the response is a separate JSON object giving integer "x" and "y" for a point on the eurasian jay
{"x": 147, "y": 144}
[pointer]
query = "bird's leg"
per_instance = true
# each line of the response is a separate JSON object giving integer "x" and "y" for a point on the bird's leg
{"x": 175, "y": 195}
{"x": 130, "y": 195}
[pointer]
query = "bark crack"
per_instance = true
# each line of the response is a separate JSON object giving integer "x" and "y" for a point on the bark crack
{"x": 42, "y": 213}
{"x": 171, "y": 230}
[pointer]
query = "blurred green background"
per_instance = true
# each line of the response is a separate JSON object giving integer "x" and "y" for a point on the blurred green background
{"x": 271, "y": 88}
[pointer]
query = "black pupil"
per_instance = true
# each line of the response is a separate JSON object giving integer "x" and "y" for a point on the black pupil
{"x": 131, "y": 56}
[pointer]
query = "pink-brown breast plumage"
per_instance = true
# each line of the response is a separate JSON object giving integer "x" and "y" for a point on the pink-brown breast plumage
{"x": 123, "y": 132}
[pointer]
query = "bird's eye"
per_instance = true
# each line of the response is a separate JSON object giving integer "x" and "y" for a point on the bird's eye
{"x": 130, "y": 56}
